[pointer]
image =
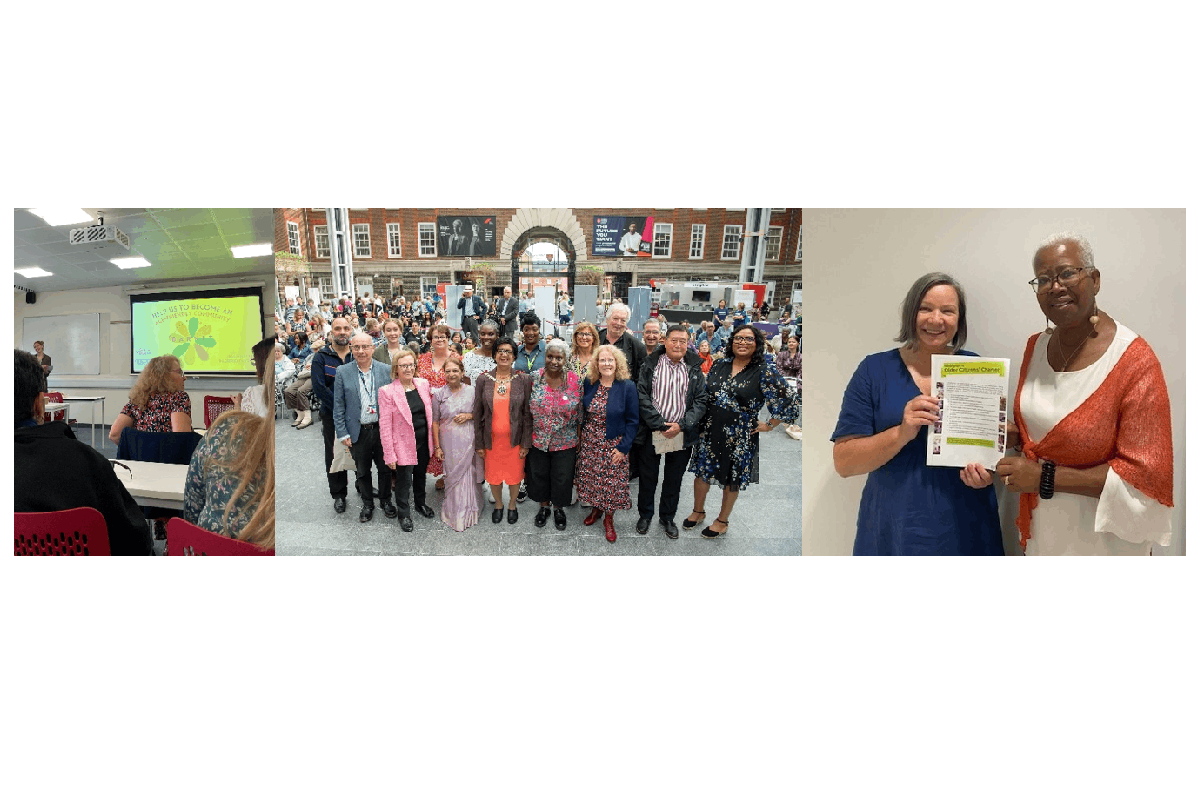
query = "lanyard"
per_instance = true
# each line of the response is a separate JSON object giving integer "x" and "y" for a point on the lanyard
{"x": 529, "y": 362}
{"x": 368, "y": 388}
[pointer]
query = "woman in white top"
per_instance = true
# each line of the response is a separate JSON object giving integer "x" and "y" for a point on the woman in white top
{"x": 1093, "y": 422}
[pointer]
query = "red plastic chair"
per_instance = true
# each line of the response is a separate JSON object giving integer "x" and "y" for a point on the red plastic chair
{"x": 215, "y": 407}
{"x": 74, "y": 532}
{"x": 186, "y": 539}
{"x": 55, "y": 416}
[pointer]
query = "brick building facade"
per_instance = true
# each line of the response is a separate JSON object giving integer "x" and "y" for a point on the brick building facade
{"x": 396, "y": 249}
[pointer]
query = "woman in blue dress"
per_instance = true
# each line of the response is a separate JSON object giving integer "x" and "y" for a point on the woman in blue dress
{"x": 726, "y": 455}
{"x": 909, "y": 508}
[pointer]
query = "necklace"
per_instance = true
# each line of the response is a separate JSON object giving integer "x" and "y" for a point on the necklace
{"x": 1073, "y": 352}
{"x": 502, "y": 385}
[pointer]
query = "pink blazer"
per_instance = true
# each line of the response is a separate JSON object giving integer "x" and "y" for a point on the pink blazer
{"x": 395, "y": 422}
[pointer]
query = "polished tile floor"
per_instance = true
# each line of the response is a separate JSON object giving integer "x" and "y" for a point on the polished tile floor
{"x": 765, "y": 521}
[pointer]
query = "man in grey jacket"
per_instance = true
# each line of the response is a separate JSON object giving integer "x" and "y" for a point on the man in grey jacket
{"x": 356, "y": 422}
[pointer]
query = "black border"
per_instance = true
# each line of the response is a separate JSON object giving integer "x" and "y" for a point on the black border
{"x": 161, "y": 296}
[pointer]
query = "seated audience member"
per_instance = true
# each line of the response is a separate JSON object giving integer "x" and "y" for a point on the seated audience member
{"x": 254, "y": 400}
{"x": 157, "y": 402}
{"x": 230, "y": 487}
{"x": 55, "y": 472}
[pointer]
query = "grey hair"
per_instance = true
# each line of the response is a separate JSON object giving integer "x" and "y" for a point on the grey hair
{"x": 655, "y": 320}
{"x": 1065, "y": 237}
{"x": 489, "y": 323}
{"x": 618, "y": 307}
{"x": 912, "y": 304}
{"x": 558, "y": 344}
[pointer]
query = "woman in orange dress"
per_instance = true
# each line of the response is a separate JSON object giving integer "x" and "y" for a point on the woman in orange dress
{"x": 503, "y": 427}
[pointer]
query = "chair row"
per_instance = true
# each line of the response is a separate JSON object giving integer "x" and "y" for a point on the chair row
{"x": 83, "y": 532}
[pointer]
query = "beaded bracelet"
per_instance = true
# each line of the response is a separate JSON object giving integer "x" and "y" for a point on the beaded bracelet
{"x": 1046, "y": 487}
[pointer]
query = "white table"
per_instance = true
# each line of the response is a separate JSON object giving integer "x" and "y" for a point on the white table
{"x": 91, "y": 411}
{"x": 154, "y": 484}
{"x": 51, "y": 408}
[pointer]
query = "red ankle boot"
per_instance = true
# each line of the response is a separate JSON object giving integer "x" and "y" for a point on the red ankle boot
{"x": 592, "y": 517}
{"x": 610, "y": 532}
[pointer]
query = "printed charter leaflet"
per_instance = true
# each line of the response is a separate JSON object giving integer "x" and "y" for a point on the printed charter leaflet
{"x": 971, "y": 393}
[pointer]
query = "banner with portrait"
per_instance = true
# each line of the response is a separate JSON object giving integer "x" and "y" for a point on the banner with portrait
{"x": 467, "y": 236}
{"x": 622, "y": 236}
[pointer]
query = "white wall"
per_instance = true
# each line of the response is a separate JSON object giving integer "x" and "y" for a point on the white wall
{"x": 115, "y": 380}
{"x": 859, "y": 263}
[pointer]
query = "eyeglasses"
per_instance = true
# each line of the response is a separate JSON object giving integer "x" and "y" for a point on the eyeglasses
{"x": 406, "y": 366}
{"x": 361, "y": 347}
{"x": 744, "y": 339}
{"x": 1066, "y": 279}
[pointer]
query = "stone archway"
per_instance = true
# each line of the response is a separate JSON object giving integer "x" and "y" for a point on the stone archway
{"x": 528, "y": 219}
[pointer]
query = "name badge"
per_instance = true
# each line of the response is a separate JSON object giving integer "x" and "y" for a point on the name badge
{"x": 371, "y": 410}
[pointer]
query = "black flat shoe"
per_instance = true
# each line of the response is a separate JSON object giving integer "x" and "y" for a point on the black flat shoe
{"x": 688, "y": 523}
{"x": 497, "y": 515}
{"x": 389, "y": 510}
{"x": 512, "y": 516}
{"x": 542, "y": 515}
{"x": 424, "y": 511}
{"x": 339, "y": 505}
{"x": 366, "y": 513}
{"x": 669, "y": 527}
{"x": 709, "y": 533}
{"x": 406, "y": 524}
{"x": 560, "y": 519}
{"x": 643, "y": 525}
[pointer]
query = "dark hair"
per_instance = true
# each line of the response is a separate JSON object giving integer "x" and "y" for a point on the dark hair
{"x": 760, "y": 342}
{"x": 301, "y": 338}
{"x": 262, "y": 351}
{"x": 29, "y": 377}
{"x": 504, "y": 340}
{"x": 530, "y": 318}
{"x": 680, "y": 328}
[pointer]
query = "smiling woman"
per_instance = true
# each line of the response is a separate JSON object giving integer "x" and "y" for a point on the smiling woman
{"x": 1093, "y": 422}
{"x": 908, "y": 508}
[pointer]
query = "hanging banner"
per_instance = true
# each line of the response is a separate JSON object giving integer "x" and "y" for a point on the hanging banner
{"x": 467, "y": 236}
{"x": 622, "y": 236}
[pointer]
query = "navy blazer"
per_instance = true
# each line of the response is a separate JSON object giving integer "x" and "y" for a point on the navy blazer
{"x": 622, "y": 411}
{"x": 347, "y": 405}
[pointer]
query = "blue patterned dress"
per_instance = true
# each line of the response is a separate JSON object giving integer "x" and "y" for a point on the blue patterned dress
{"x": 727, "y": 451}
{"x": 210, "y": 483}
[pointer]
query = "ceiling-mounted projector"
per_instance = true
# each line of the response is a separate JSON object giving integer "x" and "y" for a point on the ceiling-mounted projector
{"x": 101, "y": 237}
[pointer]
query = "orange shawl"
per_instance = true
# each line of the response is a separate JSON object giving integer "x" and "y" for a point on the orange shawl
{"x": 1125, "y": 423}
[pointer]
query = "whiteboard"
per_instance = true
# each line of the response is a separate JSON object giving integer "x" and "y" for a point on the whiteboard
{"x": 72, "y": 342}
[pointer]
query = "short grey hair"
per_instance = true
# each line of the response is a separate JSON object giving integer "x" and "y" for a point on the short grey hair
{"x": 558, "y": 344}
{"x": 912, "y": 304}
{"x": 657, "y": 324}
{"x": 1068, "y": 237}
{"x": 618, "y": 307}
{"x": 489, "y": 324}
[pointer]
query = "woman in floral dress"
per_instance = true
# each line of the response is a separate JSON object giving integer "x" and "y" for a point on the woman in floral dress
{"x": 554, "y": 407}
{"x": 610, "y": 421}
{"x": 727, "y": 452}
{"x": 432, "y": 367}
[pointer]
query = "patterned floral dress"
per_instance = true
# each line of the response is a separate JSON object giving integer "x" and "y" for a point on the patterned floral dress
{"x": 727, "y": 451}
{"x": 580, "y": 368}
{"x": 210, "y": 484}
{"x": 601, "y": 483}
{"x": 437, "y": 379}
{"x": 156, "y": 416}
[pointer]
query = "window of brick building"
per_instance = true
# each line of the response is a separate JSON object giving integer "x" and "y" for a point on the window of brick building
{"x": 663, "y": 232}
{"x": 697, "y": 248}
{"x": 731, "y": 247}
{"x": 799, "y": 242}
{"x": 774, "y": 240}
{"x": 426, "y": 240}
{"x": 293, "y": 229}
{"x": 321, "y": 236}
{"x": 362, "y": 240}
{"x": 393, "y": 233}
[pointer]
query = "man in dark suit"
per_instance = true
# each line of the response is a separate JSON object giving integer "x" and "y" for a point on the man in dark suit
{"x": 508, "y": 307}
{"x": 473, "y": 311}
{"x": 356, "y": 420}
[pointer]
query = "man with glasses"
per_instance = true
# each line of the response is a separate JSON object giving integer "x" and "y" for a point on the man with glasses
{"x": 356, "y": 422}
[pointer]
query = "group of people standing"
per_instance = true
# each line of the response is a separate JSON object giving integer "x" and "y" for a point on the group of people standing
{"x": 559, "y": 419}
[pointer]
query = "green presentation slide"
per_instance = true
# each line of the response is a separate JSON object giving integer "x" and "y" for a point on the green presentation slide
{"x": 210, "y": 334}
